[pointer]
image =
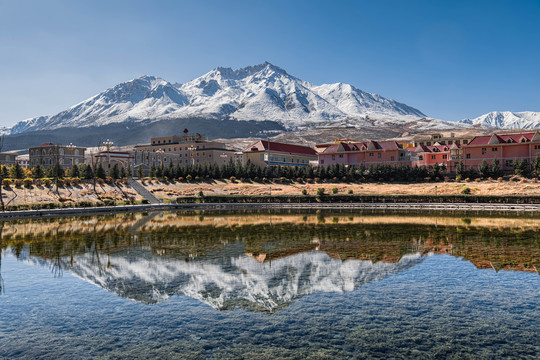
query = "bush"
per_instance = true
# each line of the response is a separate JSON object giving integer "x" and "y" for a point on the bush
{"x": 201, "y": 194}
{"x": 304, "y": 192}
{"x": 350, "y": 192}
{"x": 39, "y": 182}
{"x": 189, "y": 178}
{"x": 466, "y": 191}
{"x": 6, "y": 182}
{"x": 47, "y": 182}
{"x": 334, "y": 190}
{"x": 18, "y": 182}
{"x": 320, "y": 191}
{"x": 28, "y": 182}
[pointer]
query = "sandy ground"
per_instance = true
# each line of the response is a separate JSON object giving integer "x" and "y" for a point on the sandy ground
{"x": 488, "y": 187}
{"x": 84, "y": 192}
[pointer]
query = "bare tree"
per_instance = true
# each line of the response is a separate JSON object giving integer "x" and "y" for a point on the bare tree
{"x": 94, "y": 159}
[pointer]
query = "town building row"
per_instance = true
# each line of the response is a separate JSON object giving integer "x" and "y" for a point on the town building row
{"x": 188, "y": 149}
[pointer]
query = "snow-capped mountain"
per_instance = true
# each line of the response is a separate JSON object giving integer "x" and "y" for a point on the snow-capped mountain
{"x": 506, "y": 120}
{"x": 261, "y": 92}
{"x": 229, "y": 278}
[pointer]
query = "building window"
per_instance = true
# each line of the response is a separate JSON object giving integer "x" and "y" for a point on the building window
{"x": 433, "y": 157}
{"x": 493, "y": 149}
{"x": 340, "y": 155}
{"x": 465, "y": 141}
{"x": 483, "y": 151}
{"x": 391, "y": 158}
{"x": 536, "y": 147}
{"x": 445, "y": 156}
{"x": 468, "y": 156}
{"x": 379, "y": 155}
{"x": 322, "y": 161}
{"x": 370, "y": 154}
{"x": 421, "y": 157}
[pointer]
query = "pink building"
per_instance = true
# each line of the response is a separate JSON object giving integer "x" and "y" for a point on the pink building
{"x": 504, "y": 147}
{"x": 424, "y": 155}
{"x": 367, "y": 153}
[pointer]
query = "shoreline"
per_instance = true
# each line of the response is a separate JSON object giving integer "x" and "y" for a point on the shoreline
{"x": 440, "y": 207}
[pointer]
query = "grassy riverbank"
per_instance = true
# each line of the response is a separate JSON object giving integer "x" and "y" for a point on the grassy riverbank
{"x": 84, "y": 194}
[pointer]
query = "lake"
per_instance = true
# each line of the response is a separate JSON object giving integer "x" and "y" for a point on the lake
{"x": 283, "y": 285}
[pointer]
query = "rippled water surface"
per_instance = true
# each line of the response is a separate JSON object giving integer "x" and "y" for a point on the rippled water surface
{"x": 271, "y": 285}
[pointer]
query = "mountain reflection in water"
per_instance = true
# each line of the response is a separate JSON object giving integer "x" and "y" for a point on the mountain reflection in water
{"x": 260, "y": 262}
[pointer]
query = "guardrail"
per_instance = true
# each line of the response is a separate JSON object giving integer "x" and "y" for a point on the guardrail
{"x": 47, "y": 213}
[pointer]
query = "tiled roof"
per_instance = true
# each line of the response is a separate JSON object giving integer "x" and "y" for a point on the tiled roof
{"x": 364, "y": 146}
{"x": 262, "y": 145}
{"x": 501, "y": 138}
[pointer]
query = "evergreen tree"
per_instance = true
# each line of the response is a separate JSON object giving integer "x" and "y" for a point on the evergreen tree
{"x": 87, "y": 172}
{"x": 153, "y": 170}
{"x": 129, "y": 171}
{"x": 100, "y": 172}
{"x": 483, "y": 169}
{"x": 114, "y": 172}
{"x": 5, "y": 172}
{"x": 460, "y": 169}
{"x": 521, "y": 167}
{"x": 75, "y": 173}
{"x": 49, "y": 172}
{"x": 140, "y": 173}
{"x": 38, "y": 172}
{"x": 123, "y": 172}
{"x": 536, "y": 165}
{"x": 159, "y": 172}
{"x": 16, "y": 171}
{"x": 496, "y": 170}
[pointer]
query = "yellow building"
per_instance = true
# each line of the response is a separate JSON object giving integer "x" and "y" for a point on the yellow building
{"x": 268, "y": 153}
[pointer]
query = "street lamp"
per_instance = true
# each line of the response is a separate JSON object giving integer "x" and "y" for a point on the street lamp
{"x": 192, "y": 150}
{"x": 71, "y": 147}
{"x": 108, "y": 144}
{"x": 160, "y": 152}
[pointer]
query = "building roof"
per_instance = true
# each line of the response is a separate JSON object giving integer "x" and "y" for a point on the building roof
{"x": 263, "y": 145}
{"x": 47, "y": 144}
{"x": 363, "y": 146}
{"x": 501, "y": 139}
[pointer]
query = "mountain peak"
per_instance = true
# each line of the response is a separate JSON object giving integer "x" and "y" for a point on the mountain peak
{"x": 229, "y": 73}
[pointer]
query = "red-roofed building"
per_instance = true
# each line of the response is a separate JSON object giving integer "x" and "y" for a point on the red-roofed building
{"x": 366, "y": 153}
{"x": 269, "y": 153}
{"x": 424, "y": 155}
{"x": 504, "y": 147}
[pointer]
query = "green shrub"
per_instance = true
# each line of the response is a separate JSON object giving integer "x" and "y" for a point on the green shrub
{"x": 466, "y": 191}
{"x": 334, "y": 190}
{"x": 201, "y": 194}
{"x": 6, "y": 182}
{"x": 350, "y": 192}
{"x": 304, "y": 192}
{"x": 320, "y": 191}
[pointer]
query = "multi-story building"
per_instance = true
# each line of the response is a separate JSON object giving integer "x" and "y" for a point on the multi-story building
{"x": 269, "y": 153}
{"x": 424, "y": 155}
{"x": 108, "y": 159}
{"x": 504, "y": 147}
{"x": 367, "y": 153}
{"x": 183, "y": 150}
{"x": 440, "y": 139}
{"x": 7, "y": 158}
{"x": 48, "y": 154}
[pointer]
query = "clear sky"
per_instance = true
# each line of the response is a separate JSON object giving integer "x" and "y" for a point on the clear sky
{"x": 451, "y": 59}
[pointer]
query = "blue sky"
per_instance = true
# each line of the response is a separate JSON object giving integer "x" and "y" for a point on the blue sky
{"x": 450, "y": 59}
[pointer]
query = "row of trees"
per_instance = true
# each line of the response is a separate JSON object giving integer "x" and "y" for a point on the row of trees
{"x": 253, "y": 172}
{"x": 56, "y": 171}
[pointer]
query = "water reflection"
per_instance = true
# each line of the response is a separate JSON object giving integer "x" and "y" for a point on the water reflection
{"x": 261, "y": 262}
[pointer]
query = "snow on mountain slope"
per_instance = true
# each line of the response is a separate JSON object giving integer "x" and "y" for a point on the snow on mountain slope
{"x": 229, "y": 279}
{"x": 506, "y": 120}
{"x": 261, "y": 92}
